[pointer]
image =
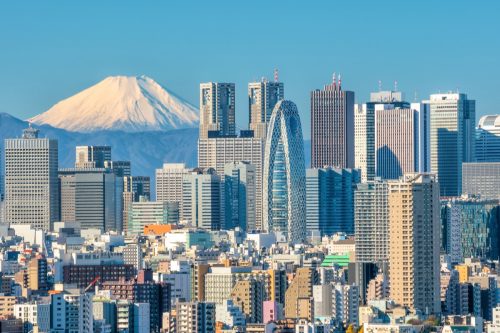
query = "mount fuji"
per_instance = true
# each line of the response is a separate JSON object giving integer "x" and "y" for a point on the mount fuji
{"x": 121, "y": 103}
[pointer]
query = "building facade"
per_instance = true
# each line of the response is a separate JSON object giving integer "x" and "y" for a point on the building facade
{"x": 452, "y": 139}
{"x": 481, "y": 179}
{"x": 92, "y": 156}
{"x": 488, "y": 139}
{"x": 31, "y": 184}
{"x": 217, "y": 109}
{"x": 239, "y": 184}
{"x": 332, "y": 127}
{"x": 262, "y": 98}
{"x": 284, "y": 174}
{"x": 330, "y": 200}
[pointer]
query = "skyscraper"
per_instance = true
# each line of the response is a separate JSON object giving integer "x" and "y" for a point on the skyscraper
{"x": 239, "y": 183}
{"x": 134, "y": 188}
{"x": 364, "y": 130}
{"x": 284, "y": 181}
{"x": 414, "y": 238}
{"x": 169, "y": 182}
{"x": 92, "y": 156}
{"x": 91, "y": 197}
{"x": 452, "y": 138}
{"x": 371, "y": 218}
{"x": 401, "y": 140}
{"x": 217, "y": 152}
{"x": 203, "y": 199}
{"x": 217, "y": 109}
{"x": 31, "y": 184}
{"x": 330, "y": 200}
{"x": 262, "y": 97}
{"x": 332, "y": 127}
{"x": 488, "y": 139}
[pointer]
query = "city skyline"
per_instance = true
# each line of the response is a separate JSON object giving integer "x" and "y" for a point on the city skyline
{"x": 341, "y": 42}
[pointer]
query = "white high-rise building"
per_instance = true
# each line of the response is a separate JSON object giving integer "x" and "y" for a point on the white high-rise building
{"x": 217, "y": 109}
{"x": 34, "y": 314}
{"x": 345, "y": 303}
{"x": 217, "y": 152}
{"x": 31, "y": 183}
{"x": 262, "y": 97}
{"x": 203, "y": 199}
{"x": 452, "y": 138}
{"x": 132, "y": 255}
{"x": 72, "y": 311}
{"x": 169, "y": 182}
{"x": 284, "y": 181}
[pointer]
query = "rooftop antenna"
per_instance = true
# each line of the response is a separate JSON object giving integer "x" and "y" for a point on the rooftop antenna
{"x": 334, "y": 79}
{"x": 415, "y": 96}
{"x": 340, "y": 81}
{"x": 379, "y": 85}
{"x": 395, "y": 85}
{"x": 276, "y": 77}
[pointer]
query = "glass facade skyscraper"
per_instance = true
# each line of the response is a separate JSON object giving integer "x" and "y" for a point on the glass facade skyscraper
{"x": 284, "y": 184}
{"x": 330, "y": 200}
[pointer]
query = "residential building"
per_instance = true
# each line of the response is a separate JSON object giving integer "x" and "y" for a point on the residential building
{"x": 332, "y": 127}
{"x": 414, "y": 238}
{"x": 284, "y": 181}
{"x": 345, "y": 303}
{"x": 371, "y": 218}
{"x": 71, "y": 311}
{"x": 194, "y": 317}
{"x": 299, "y": 301}
{"x": 34, "y": 161}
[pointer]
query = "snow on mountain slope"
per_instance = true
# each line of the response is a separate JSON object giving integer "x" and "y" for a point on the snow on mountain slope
{"x": 121, "y": 103}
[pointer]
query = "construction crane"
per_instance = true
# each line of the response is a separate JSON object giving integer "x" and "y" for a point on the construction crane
{"x": 91, "y": 284}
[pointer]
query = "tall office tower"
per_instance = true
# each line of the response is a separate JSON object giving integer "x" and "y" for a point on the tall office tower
{"x": 262, "y": 98}
{"x": 134, "y": 188}
{"x": 284, "y": 181}
{"x": 31, "y": 184}
{"x": 488, "y": 139}
{"x": 92, "y": 156}
{"x": 364, "y": 130}
{"x": 414, "y": 238}
{"x": 371, "y": 219}
{"x": 400, "y": 140}
{"x": 119, "y": 168}
{"x": 217, "y": 109}
{"x": 299, "y": 301}
{"x": 239, "y": 183}
{"x": 332, "y": 127}
{"x": 217, "y": 152}
{"x": 330, "y": 200}
{"x": 452, "y": 139}
{"x": 194, "y": 317}
{"x": 481, "y": 179}
{"x": 203, "y": 199}
{"x": 470, "y": 228}
{"x": 91, "y": 197}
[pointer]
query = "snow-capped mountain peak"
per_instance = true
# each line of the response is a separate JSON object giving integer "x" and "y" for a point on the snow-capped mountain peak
{"x": 125, "y": 103}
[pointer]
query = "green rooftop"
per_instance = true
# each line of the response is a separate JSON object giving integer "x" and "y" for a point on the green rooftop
{"x": 335, "y": 259}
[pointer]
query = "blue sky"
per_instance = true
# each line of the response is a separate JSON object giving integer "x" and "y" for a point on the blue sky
{"x": 50, "y": 50}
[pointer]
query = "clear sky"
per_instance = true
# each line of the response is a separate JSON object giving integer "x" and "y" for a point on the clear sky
{"x": 50, "y": 50}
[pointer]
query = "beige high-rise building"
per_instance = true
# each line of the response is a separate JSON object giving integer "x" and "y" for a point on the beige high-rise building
{"x": 217, "y": 109}
{"x": 262, "y": 98}
{"x": 249, "y": 296}
{"x": 299, "y": 301}
{"x": 414, "y": 237}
